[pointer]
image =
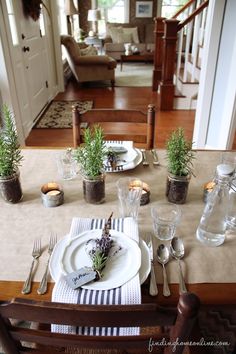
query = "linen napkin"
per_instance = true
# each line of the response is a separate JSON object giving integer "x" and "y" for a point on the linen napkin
{"x": 128, "y": 293}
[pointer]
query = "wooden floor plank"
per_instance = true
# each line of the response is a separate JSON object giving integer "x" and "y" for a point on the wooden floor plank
{"x": 120, "y": 98}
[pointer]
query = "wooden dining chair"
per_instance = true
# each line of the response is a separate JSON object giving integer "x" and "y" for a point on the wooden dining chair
{"x": 118, "y": 125}
{"x": 179, "y": 322}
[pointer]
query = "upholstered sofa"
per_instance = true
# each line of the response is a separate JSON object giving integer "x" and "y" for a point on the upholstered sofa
{"x": 86, "y": 65}
{"x": 117, "y": 34}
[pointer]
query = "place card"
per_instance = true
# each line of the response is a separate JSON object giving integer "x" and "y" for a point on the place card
{"x": 80, "y": 277}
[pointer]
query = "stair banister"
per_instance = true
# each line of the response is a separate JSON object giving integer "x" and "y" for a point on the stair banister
{"x": 195, "y": 46}
{"x": 195, "y": 13}
{"x": 158, "y": 55}
{"x": 167, "y": 52}
{"x": 184, "y": 8}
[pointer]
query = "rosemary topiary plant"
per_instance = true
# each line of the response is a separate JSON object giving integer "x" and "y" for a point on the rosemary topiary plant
{"x": 91, "y": 154}
{"x": 179, "y": 154}
{"x": 90, "y": 157}
{"x": 10, "y": 153}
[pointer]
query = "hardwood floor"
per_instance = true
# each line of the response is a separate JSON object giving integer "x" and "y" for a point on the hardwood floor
{"x": 119, "y": 97}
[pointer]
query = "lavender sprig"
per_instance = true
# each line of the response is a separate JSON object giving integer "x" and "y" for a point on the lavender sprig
{"x": 100, "y": 249}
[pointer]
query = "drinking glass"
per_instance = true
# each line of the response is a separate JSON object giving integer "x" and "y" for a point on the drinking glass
{"x": 129, "y": 191}
{"x": 166, "y": 217}
{"x": 66, "y": 165}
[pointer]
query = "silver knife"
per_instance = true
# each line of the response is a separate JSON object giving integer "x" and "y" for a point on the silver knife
{"x": 153, "y": 291}
{"x": 144, "y": 157}
{"x": 155, "y": 157}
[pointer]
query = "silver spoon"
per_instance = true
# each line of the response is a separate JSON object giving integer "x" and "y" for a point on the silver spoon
{"x": 163, "y": 256}
{"x": 177, "y": 251}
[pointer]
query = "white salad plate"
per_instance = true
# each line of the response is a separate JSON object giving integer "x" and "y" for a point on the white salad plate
{"x": 127, "y": 160}
{"x": 59, "y": 249}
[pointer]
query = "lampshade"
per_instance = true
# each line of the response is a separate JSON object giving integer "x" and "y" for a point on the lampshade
{"x": 70, "y": 8}
{"x": 94, "y": 15}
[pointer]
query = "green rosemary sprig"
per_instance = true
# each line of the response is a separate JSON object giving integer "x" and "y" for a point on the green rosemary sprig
{"x": 10, "y": 153}
{"x": 99, "y": 253}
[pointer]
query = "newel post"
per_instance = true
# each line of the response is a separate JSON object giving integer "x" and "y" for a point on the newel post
{"x": 158, "y": 52}
{"x": 167, "y": 87}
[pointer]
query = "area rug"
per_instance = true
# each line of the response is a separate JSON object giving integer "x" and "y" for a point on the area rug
{"x": 58, "y": 115}
{"x": 134, "y": 75}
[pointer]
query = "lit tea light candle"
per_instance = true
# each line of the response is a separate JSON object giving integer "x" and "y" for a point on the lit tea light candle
{"x": 52, "y": 194}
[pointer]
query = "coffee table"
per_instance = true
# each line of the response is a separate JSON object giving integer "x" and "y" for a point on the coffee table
{"x": 144, "y": 56}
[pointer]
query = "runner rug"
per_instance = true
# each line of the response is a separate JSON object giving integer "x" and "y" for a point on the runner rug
{"x": 58, "y": 114}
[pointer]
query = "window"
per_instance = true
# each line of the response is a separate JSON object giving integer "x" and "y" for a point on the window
{"x": 62, "y": 17}
{"x": 112, "y": 11}
{"x": 42, "y": 25}
{"x": 63, "y": 29}
{"x": 12, "y": 22}
{"x": 170, "y": 7}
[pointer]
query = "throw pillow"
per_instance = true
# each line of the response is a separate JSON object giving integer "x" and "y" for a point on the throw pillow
{"x": 133, "y": 31}
{"x": 116, "y": 33}
{"x": 90, "y": 50}
{"x": 124, "y": 38}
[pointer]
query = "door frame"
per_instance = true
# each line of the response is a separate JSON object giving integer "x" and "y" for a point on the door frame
{"x": 8, "y": 91}
{"x": 8, "y": 87}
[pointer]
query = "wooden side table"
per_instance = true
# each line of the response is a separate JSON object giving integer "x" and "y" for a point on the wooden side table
{"x": 145, "y": 57}
{"x": 96, "y": 42}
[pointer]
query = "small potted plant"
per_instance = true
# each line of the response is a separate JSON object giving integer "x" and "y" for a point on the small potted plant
{"x": 180, "y": 166}
{"x": 10, "y": 159}
{"x": 90, "y": 157}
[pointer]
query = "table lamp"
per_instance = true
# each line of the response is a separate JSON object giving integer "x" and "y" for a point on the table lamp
{"x": 94, "y": 15}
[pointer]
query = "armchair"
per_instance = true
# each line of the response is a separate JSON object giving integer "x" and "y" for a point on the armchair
{"x": 86, "y": 65}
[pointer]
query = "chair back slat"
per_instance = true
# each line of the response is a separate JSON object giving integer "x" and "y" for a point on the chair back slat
{"x": 118, "y": 124}
{"x": 92, "y": 315}
{"x": 151, "y": 319}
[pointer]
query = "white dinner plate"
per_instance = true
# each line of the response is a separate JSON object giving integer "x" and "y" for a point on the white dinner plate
{"x": 119, "y": 269}
{"x": 55, "y": 269}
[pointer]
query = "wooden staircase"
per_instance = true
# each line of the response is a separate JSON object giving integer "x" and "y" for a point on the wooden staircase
{"x": 178, "y": 56}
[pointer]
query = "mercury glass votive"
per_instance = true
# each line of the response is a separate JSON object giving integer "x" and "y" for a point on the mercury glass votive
{"x": 145, "y": 196}
{"x": 52, "y": 194}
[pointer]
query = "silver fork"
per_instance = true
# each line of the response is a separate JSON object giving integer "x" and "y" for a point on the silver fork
{"x": 144, "y": 156}
{"x": 35, "y": 254}
{"x": 44, "y": 282}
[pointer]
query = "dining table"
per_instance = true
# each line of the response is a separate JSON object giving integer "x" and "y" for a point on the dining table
{"x": 209, "y": 272}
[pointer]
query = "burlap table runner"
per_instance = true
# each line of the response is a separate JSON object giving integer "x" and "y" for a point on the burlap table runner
{"x": 23, "y": 222}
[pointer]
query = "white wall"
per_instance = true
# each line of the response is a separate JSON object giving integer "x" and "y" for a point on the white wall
{"x": 215, "y": 115}
{"x": 224, "y": 95}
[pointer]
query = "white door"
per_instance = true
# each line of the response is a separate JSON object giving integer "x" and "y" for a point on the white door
{"x": 28, "y": 60}
{"x": 35, "y": 63}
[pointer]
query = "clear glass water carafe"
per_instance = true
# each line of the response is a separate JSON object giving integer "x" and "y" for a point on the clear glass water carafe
{"x": 231, "y": 211}
{"x": 213, "y": 223}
